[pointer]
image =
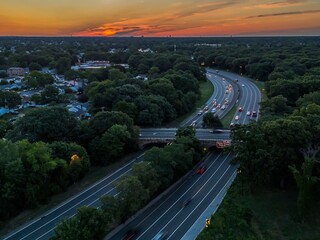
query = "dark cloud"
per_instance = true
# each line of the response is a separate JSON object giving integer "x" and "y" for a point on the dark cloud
{"x": 284, "y": 13}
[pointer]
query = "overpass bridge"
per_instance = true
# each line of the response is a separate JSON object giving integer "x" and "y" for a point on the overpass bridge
{"x": 208, "y": 137}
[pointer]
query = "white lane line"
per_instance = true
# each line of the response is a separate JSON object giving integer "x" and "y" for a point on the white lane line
{"x": 196, "y": 206}
{"x": 168, "y": 197}
{"x": 232, "y": 176}
{"x": 77, "y": 204}
{"x": 180, "y": 198}
{"x": 77, "y": 195}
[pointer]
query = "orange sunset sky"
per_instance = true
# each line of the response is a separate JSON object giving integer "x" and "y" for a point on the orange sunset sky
{"x": 159, "y": 17}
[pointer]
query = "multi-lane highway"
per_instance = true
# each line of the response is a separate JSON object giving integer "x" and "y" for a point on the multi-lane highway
{"x": 43, "y": 226}
{"x": 220, "y": 103}
{"x": 249, "y": 100}
{"x": 169, "y": 215}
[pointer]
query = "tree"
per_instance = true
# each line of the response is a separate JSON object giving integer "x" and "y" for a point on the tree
{"x": 38, "y": 79}
{"x": 45, "y": 124}
{"x": 63, "y": 65}
{"x": 34, "y": 66}
{"x": 116, "y": 74}
{"x": 88, "y": 223}
{"x": 132, "y": 196}
{"x": 209, "y": 120}
{"x": 305, "y": 182}
{"x": 147, "y": 176}
{"x": 5, "y": 126}
{"x": 9, "y": 99}
{"x": 111, "y": 146}
{"x": 38, "y": 163}
{"x": 126, "y": 107}
{"x": 50, "y": 94}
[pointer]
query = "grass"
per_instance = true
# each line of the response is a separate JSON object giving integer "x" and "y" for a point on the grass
{"x": 95, "y": 174}
{"x": 273, "y": 216}
{"x": 228, "y": 118}
{"x": 260, "y": 85}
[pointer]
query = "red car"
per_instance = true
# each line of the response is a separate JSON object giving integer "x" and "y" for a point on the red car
{"x": 131, "y": 234}
{"x": 240, "y": 109}
{"x": 201, "y": 170}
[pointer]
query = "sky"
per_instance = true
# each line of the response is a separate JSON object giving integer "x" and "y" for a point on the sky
{"x": 159, "y": 18}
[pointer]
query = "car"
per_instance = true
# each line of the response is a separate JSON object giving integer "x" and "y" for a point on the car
{"x": 242, "y": 85}
{"x": 206, "y": 108}
{"x": 213, "y": 110}
{"x": 236, "y": 118}
{"x": 219, "y": 106}
{"x": 201, "y": 170}
{"x": 216, "y": 131}
{"x": 160, "y": 236}
{"x": 223, "y": 107}
{"x": 186, "y": 202}
{"x": 214, "y": 103}
{"x": 140, "y": 134}
{"x": 254, "y": 113}
{"x": 248, "y": 113}
{"x": 131, "y": 234}
{"x": 232, "y": 125}
{"x": 200, "y": 112}
{"x": 227, "y": 91}
{"x": 240, "y": 109}
{"x": 193, "y": 124}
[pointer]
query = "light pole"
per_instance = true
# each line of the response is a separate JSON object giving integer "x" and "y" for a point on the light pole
{"x": 239, "y": 173}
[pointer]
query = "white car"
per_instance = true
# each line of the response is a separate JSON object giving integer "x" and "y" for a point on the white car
{"x": 248, "y": 113}
{"x": 236, "y": 118}
{"x": 213, "y": 110}
{"x": 242, "y": 85}
{"x": 223, "y": 107}
{"x": 193, "y": 124}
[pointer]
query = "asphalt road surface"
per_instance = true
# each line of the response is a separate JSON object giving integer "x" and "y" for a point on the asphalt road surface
{"x": 43, "y": 226}
{"x": 169, "y": 214}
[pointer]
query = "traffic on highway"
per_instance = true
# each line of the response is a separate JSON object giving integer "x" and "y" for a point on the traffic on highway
{"x": 181, "y": 209}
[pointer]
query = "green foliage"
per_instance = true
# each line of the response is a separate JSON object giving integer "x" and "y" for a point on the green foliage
{"x": 211, "y": 121}
{"x": 305, "y": 182}
{"x": 45, "y": 124}
{"x": 34, "y": 66}
{"x": 5, "y": 126}
{"x": 9, "y": 99}
{"x": 111, "y": 145}
{"x": 132, "y": 196}
{"x": 49, "y": 94}
{"x": 31, "y": 172}
{"x": 87, "y": 224}
{"x": 38, "y": 79}
{"x": 231, "y": 221}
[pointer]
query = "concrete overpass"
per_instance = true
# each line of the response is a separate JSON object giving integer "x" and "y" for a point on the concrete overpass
{"x": 208, "y": 137}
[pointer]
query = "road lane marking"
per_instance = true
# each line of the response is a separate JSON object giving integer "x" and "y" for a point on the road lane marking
{"x": 180, "y": 198}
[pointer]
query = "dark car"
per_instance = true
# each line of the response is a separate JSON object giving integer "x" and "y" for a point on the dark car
{"x": 186, "y": 202}
{"x": 254, "y": 113}
{"x": 131, "y": 234}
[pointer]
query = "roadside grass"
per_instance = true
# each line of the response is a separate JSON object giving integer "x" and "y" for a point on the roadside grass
{"x": 206, "y": 90}
{"x": 228, "y": 118}
{"x": 261, "y": 86}
{"x": 94, "y": 174}
{"x": 273, "y": 216}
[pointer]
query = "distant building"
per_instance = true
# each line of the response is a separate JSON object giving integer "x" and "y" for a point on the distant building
{"x": 15, "y": 71}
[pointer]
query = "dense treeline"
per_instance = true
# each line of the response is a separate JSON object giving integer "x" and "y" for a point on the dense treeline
{"x": 170, "y": 91}
{"x": 160, "y": 168}
{"x": 32, "y": 172}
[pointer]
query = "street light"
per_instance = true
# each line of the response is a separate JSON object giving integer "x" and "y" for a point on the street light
{"x": 239, "y": 172}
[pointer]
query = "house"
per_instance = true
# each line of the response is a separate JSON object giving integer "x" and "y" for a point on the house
{"x": 15, "y": 71}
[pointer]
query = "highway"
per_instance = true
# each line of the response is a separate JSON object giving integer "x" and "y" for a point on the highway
{"x": 219, "y": 96}
{"x": 169, "y": 215}
{"x": 43, "y": 226}
{"x": 249, "y": 100}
